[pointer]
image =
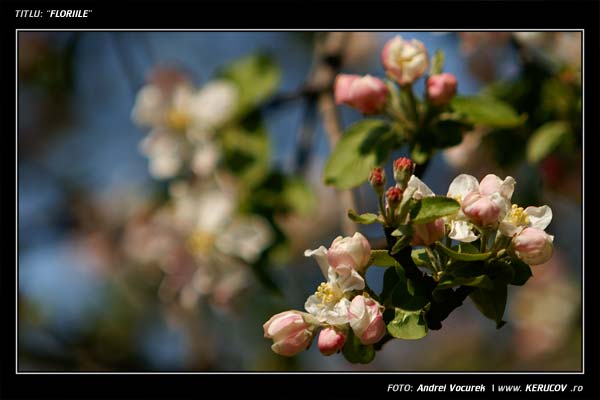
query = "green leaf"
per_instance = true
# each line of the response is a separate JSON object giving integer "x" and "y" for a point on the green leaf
{"x": 467, "y": 248}
{"x": 500, "y": 271}
{"x": 420, "y": 258}
{"x": 246, "y": 149}
{"x": 545, "y": 139}
{"x": 365, "y": 219}
{"x": 488, "y": 111}
{"x": 462, "y": 256}
{"x": 356, "y": 352}
{"x": 382, "y": 259}
{"x": 299, "y": 196}
{"x": 401, "y": 243}
{"x": 522, "y": 272}
{"x": 437, "y": 63}
{"x": 256, "y": 76}
{"x": 401, "y": 292}
{"x": 408, "y": 325}
{"x": 390, "y": 280}
{"x": 518, "y": 272}
{"x": 419, "y": 155}
{"x": 434, "y": 207}
{"x": 403, "y": 230}
{"x": 363, "y": 146}
{"x": 491, "y": 303}
{"x": 448, "y": 133}
{"x": 450, "y": 281}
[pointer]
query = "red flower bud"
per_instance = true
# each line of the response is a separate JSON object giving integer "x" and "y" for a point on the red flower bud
{"x": 403, "y": 170}
{"x": 377, "y": 179}
{"x": 393, "y": 197}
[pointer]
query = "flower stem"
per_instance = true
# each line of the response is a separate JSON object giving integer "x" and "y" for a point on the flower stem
{"x": 484, "y": 240}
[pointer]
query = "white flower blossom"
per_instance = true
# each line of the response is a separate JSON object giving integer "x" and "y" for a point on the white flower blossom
{"x": 329, "y": 303}
{"x": 488, "y": 199}
{"x": 246, "y": 238}
{"x": 518, "y": 219}
{"x": 165, "y": 153}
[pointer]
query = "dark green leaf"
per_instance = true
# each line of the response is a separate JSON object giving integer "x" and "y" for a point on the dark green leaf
{"x": 491, "y": 303}
{"x": 522, "y": 272}
{"x": 403, "y": 230}
{"x": 420, "y": 258}
{"x": 488, "y": 111}
{"x": 545, "y": 139}
{"x": 462, "y": 256}
{"x": 434, "y": 207}
{"x": 256, "y": 76}
{"x": 246, "y": 150}
{"x": 407, "y": 294}
{"x": 390, "y": 280}
{"x": 450, "y": 281}
{"x": 382, "y": 259}
{"x": 363, "y": 146}
{"x": 500, "y": 271}
{"x": 448, "y": 133}
{"x": 408, "y": 325}
{"x": 364, "y": 219}
{"x": 518, "y": 272}
{"x": 356, "y": 352}
{"x": 401, "y": 243}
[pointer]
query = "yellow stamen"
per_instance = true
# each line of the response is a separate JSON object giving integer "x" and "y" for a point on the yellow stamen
{"x": 200, "y": 242}
{"x": 178, "y": 120}
{"x": 518, "y": 216}
{"x": 327, "y": 293}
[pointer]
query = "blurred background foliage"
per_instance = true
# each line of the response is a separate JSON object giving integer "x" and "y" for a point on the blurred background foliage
{"x": 103, "y": 272}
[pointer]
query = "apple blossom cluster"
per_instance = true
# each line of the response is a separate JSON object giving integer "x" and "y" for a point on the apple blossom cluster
{"x": 337, "y": 307}
{"x": 395, "y": 116}
{"x": 198, "y": 238}
{"x": 473, "y": 239}
{"x": 183, "y": 121}
{"x": 404, "y": 61}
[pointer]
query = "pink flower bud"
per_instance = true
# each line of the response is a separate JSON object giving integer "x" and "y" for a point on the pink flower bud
{"x": 429, "y": 233}
{"x": 393, "y": 197}
{"x": 481, "y": 209}
{"x": 377, "y": 180}
{"x": 491, "y": 184}
{"x": 533, "y": 246}
{"x": 290, "y": 332}
{"x": 367, "y": 94}
{"x": 349, "y": 252}
{"x": 404, "y": 61}
{"x": 366, "y": 319}
{"x": 331, "y": 341}
{"x": 403, "y": 170}
{"x": 441, "y": 89}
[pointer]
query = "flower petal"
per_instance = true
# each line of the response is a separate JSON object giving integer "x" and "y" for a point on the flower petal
{"x": 315, "y": 307}
{"x": 507, "y": 228}
{"x": 350, "y": 281}
{"x": 339, "y": 314}
{"x": 321, "y": 255}
{"x": 539, "y": 217}
{"x": 420, "y": 188}
{"x": 462, "y": 231}
{"x": 463, "y": 185}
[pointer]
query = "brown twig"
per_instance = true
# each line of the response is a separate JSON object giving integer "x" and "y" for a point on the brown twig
{"x": 329, "y": 51}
